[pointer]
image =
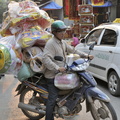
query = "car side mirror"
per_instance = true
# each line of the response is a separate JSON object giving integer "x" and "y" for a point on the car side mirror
{"x": 82, "y": 40}
{"x": 92, "y": 46}
{"x": 58, "y": 58}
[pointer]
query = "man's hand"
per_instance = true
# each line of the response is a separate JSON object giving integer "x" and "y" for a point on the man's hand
{"x": 90, "y": 57}
{"x": 62, "y": 69}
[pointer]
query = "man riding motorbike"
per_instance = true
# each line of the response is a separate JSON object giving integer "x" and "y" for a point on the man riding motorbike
{"x": 56, "y": 47}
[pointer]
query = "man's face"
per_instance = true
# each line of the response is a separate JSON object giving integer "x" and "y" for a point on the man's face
{"x": 60, "y": 34}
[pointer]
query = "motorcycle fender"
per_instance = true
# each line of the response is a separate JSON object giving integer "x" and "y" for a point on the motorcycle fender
{"x": 94, "y": 92}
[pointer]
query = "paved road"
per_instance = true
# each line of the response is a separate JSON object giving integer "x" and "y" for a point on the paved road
{"x": 8, "y": 103}
{"x": 115, "y": 101}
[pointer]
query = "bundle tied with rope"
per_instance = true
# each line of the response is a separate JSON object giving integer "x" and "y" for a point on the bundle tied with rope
{"x": 33, "y": 56}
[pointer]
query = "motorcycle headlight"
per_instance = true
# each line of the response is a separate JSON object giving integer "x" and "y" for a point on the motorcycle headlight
{"x": 81, "y": 67}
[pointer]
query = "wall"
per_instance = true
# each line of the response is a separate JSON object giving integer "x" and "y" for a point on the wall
{"x": 59, "y": 13}
{"x": 113, "y": 10}
{"x": 112, "y": 13}
{"x": 68, "y": 22}
{"x": 59, "y": 2}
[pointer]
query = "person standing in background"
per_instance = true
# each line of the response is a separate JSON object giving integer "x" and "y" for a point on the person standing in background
{"x": 75, "y": 40}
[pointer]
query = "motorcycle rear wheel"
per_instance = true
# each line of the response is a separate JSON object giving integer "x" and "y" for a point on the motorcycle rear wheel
{"x": 25, "y": 98}
{"x": 101, "y": 110}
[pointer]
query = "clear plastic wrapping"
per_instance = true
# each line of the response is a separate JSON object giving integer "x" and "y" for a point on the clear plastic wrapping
{"x": 65, "y": 81}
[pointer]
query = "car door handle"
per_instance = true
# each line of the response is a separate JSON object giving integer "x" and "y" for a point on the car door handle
{"x": 110, "y": 51}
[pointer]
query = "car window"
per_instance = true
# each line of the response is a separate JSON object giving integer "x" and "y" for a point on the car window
{"x": 109, "y": 37}
{"x": 93, "y": 36}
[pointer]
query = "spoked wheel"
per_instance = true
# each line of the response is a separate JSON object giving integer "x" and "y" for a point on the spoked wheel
{"x": 101, "y": 110}
{"x": 26, "y": 97}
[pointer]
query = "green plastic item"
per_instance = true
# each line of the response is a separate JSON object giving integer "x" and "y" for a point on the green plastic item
{"x": 25, "y": 72}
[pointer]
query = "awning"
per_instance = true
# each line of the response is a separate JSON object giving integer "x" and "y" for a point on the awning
{"x": 51, "y": 6}
{"x": 107, "y": 4}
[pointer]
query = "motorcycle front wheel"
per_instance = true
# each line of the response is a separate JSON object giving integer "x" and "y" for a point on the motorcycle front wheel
{"x": 26, "y": 97}
{"x": 101, "y": 110}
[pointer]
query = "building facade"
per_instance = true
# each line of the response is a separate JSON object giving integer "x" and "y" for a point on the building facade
{"x": 102, "y": 14}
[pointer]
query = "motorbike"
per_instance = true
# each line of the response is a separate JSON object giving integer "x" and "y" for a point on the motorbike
{"x": 34, "y": 94}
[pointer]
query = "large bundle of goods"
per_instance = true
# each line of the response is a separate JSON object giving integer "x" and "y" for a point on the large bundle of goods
{"x": 23, "y": 37}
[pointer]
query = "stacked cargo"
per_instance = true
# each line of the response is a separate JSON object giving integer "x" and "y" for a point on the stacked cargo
{"x": 86, "y": 19}
{"x": 23, "y": 37}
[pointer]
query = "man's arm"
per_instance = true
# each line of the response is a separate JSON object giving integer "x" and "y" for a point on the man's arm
{"x": 48, "y": 58}
{"x": 71, "y": 49}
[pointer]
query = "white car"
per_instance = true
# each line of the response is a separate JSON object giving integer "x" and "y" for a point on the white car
{"x": 106, "y": 62}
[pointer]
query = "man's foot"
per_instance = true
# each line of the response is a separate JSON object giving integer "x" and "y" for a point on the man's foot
{"x": 2, "y": 75}
{"x": 15, "y": 76}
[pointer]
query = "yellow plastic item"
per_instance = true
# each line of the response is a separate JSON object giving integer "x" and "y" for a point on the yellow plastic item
{"x": 29, "y": 38}
{"x": 5, "y": 58}
{"x": 117, "y": 20}
{"x": 1, "y": 59}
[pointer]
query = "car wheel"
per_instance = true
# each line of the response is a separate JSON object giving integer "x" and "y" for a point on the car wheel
{"x": 114, "y": 83}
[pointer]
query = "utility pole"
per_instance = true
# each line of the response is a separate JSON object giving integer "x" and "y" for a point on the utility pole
{"x": 83, "y": 1}
{"x": 118, "y": 9}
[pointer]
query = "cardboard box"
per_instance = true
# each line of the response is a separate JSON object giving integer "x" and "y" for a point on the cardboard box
{"x": 86, "y": 19}
{"x": 85, "y": 28}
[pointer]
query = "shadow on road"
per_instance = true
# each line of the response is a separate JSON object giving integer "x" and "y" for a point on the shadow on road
{"x": 102, "y": 83}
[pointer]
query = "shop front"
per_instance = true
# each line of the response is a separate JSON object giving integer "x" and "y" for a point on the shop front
{"x": 84, "y": 22}
{"x": 101, "y": 12}
{"x": 54, "y": 10}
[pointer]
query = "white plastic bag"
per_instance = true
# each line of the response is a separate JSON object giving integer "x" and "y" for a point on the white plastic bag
{"x": 66, "y": 81}
{"x": 71, "y": 58}
{"x": 9, "y": 40}
{"x": 14, "y": 9}
{"x": 10, "y": 61}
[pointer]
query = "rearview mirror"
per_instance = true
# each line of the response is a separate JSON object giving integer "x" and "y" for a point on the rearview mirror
{"x": 58, "y": 58}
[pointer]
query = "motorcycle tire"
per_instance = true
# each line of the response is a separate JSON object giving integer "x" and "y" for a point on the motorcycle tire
{"x": 101, "y": 110}
{"x": 27, "y": 95}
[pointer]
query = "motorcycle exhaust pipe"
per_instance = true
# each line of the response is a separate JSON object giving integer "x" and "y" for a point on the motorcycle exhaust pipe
{"x": 31, "y": 108}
